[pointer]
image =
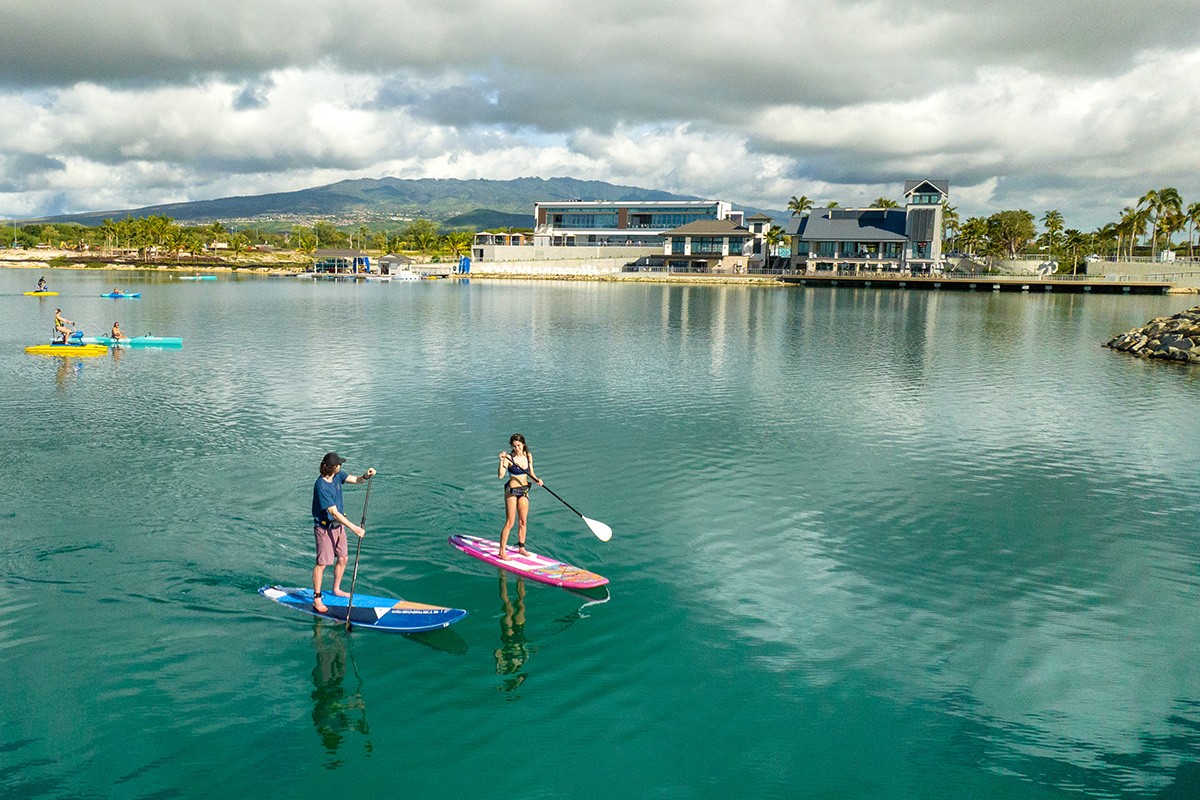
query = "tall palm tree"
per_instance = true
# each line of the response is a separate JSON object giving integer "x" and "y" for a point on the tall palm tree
{"x": 1074, "y": 241}
{"x": 1193, "y": 217}
{"x": 774, "y": 238}
{"x": 884, "y": 202}
{"x": 1160, "y": 203}
{"x": 1053, "y": 221}
{"x": 799, "y": 205}
{"x": 973, "y": 236}
{"x": 950, "y": 222}
{"x": 364, "y": 236}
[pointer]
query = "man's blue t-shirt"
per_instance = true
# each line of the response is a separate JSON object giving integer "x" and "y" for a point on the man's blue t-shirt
{"x": 326, "y": 494}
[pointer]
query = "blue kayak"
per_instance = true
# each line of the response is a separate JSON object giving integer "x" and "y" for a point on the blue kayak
{"x": 135, "y": 341}
{"x": 115, "y": 296}
{"x": 379, "y": 613}
{"x": 197, "y": 277}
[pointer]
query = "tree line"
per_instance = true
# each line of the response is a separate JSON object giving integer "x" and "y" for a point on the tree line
{"x": 158, "y": 235}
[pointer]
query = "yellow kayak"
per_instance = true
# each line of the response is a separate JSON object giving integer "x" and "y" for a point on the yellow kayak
{"x": 41, "y": 294}
{"x": 58, "y": 349}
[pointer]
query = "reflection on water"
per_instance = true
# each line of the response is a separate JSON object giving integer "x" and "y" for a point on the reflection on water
{"x": 901, "y": 544}
{"x": 336, "y": 712}
{"x": 514, "y": 649}
{"x": 68, "y": 370}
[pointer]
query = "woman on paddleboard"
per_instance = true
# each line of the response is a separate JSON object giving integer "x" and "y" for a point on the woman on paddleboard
{"x": 516, "y": 467}
{"x": 116, "y": 332}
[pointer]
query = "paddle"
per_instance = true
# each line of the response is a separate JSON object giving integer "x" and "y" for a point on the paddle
{"x": 602, "y": 531}
{"x": 357, "y": 550}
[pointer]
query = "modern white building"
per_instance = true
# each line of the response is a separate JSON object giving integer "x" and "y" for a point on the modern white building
{"x": 603, "y": 223}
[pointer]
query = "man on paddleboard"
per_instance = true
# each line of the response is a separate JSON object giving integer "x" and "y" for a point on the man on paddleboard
{"x": 330, "y": 523}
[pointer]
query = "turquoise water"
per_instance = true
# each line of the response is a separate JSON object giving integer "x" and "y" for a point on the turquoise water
{"x": 868, "y": 544}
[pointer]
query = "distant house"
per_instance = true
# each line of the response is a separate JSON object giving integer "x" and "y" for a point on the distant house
{"x": 341, "y": 262}
{"x": 758, "y": 225}
{"x": 907, "y": 239}
{"x": 393, "y": 263}
{"x": 709, "y": 245}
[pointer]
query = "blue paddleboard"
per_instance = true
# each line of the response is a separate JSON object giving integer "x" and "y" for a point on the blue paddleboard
{"x": 122, "y": 295}
{"x": 378, "y": 613}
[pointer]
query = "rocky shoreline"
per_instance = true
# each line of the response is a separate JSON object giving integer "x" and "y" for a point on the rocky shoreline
{"x": 1174, "y": 338}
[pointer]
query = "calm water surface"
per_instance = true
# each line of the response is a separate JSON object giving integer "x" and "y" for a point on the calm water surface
{"x": 869, "y": 544}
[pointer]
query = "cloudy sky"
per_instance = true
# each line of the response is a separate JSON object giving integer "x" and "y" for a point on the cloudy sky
{"x": 1080, "y": 106}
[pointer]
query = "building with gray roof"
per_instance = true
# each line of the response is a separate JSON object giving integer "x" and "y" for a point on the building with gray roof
{"x": 708, "y": 245}
{"x": 907, "y": 239}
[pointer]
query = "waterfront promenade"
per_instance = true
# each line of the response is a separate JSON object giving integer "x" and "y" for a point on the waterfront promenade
{"x": 987, "y": 283}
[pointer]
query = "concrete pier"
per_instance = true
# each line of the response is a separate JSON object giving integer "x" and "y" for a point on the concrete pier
{"x": 985, "y": 283}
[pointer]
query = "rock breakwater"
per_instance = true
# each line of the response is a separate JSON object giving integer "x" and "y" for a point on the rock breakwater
{"x": 1174, "y": 338}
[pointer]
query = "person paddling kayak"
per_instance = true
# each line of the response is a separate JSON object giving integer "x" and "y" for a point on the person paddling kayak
{"x": 330, "y": 523}
{"x": 517, "y": 467}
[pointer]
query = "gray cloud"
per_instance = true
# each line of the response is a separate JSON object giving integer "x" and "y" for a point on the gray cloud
{"x": 1018, "y": 102}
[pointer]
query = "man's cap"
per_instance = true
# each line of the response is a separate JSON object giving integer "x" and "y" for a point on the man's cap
{"x": 332, "y": 459}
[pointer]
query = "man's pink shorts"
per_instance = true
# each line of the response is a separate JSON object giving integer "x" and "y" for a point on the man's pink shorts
{"x": 331, "y": 544}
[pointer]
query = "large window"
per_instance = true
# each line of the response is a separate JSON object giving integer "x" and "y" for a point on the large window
{"x": 826, "y": 248}
{"x": 677, "y": 243}
{"x": 588, "y": 219}
{"x": 708, "y": 245}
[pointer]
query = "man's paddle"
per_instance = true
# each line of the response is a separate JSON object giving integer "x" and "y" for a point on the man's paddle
{"x": 357, "y": 550}
{"x": 602, "y": 531}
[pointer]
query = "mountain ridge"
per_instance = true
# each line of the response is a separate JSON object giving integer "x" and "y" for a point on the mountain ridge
{"x": 390, "y": 201}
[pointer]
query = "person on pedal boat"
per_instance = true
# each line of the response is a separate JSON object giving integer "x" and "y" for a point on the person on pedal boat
{"x": 61, "y": 323}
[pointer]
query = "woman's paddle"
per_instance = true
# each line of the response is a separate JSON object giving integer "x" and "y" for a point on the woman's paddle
{"x": 602, "y": 531}
{"x": 357, "y": 550}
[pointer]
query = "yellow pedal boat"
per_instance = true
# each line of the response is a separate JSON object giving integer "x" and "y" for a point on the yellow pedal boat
{"x": 70, "y": 350}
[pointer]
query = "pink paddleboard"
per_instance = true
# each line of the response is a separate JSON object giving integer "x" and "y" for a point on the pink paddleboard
{"x": 532, "y": 566}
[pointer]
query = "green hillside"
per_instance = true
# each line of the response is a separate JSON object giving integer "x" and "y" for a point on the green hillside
{"x": 378, "y": 201}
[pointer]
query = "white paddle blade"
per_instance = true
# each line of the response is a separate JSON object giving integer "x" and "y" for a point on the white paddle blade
{"x": 602, "y": 531}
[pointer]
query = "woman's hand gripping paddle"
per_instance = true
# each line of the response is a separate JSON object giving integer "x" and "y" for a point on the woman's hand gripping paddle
{"x": 357, "y": 550}
{"x": 602, "y": 531}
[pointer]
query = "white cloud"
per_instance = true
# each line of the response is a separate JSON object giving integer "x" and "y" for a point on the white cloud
{"x": 1017, "y": 103}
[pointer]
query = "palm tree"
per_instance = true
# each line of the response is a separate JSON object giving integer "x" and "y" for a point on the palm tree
{"x": 883, "y": 202}
{"x": 459, "y": 242}
{"x": 1193, "y": 217}
{"x": 1074, "y": 240}
{"x": 773, "y": 238}
{"x": 364, "y": 235}
{"x": 1160, "y": 203}
{"x": 949, "y": 221}
{"x": 800, "y": 205}
{"x": 423, "y": 235}
{"x": 1053, "y": 221}
{"x": 832, "y": 204}
{"x": 973, "y": 236}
